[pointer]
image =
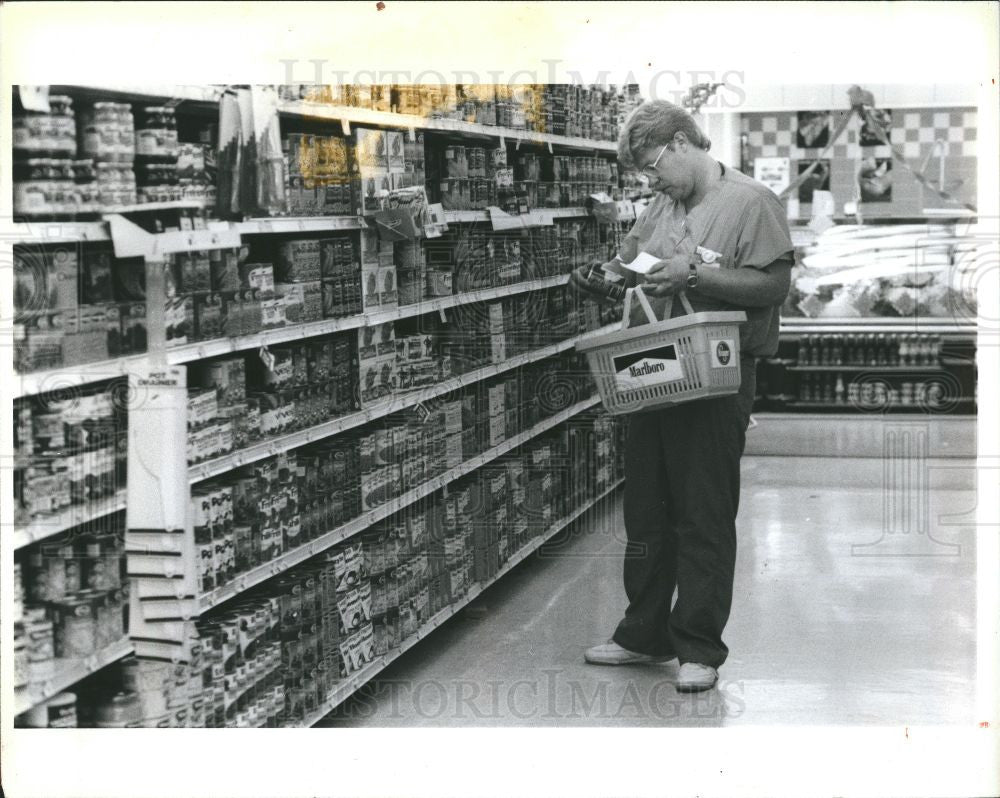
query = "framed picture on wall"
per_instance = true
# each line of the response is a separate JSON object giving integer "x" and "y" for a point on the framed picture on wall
{"x": 869, "y": 138}
{"x": 818, "y": 180}
{"x": 875, "y": 180}
{"x": 813, "y": 129}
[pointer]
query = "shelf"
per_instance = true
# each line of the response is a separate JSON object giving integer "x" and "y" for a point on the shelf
{"x": 149, "y": 207}
{"x": 185, "y": 93}
{"x": 281, "y": 443}
{"x": 50, "y": 525}
{"x": 537, "y": 215}
{"x": 298, "y": 224}
{"x": 364, "y": 116}
{"x": 877, "y": 408}
{"x": 73, "y": 376}
{"x": 356, "y": 681}
{"x": 795, "y": 325}
{"x": 56, "y": 232}
{"x": 66, "y": 673}
{"x": 225, "y": 346}
{"x": 290, "y": 559}
{"x": 879, "y": 369}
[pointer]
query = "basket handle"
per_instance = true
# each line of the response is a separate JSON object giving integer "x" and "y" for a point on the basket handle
{"x": 647, "y": 308}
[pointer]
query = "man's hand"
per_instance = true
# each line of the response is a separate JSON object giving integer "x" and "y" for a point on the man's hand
{"x": 667, "y": 276}
{"x": 579, "y": 285}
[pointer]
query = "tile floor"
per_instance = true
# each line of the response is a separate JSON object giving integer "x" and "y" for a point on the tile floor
{"x": 834, "y": 622}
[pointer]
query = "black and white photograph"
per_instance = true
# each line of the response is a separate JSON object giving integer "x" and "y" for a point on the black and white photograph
{"x": 876, "y": 129}
{"x": 812, "y": 130}
{"x": 875, "y": 180}
{"x": 814, "y": 175}
{"x": 429, "y": 379}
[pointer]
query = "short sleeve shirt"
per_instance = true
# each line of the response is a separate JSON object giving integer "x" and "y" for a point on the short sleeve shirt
{"x": 739, "y": 219}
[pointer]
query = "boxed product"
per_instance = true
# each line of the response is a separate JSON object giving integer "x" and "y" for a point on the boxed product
{"x": 299, "y": 261}
{"x": 386, "y": 282}
{"x": 395, "y": 150}
{"x": 303, "y": 301}
{"x": 438, "y": 282}
{"x": 370, "y": 286}
{"x": 375, "y": 185}
{"x": 258, "y": 276}
{"x": 370, "y": 148}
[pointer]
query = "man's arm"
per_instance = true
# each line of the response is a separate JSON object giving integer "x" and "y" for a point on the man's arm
{"x": 752, "y": 288}
{"x": 748, "y": 287}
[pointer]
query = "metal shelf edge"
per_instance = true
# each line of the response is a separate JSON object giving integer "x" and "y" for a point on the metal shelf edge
{"x": 290, "y": 559}
{"x": 357, "y": 680}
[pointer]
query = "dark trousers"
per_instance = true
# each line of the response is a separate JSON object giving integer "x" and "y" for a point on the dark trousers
{"x": 682, "y": 490}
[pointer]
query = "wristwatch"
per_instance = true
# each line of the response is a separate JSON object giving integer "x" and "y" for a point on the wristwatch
{"x": 692, "y": 278}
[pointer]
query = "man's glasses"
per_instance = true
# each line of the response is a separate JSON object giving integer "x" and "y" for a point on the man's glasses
{"x": 651, "y": 168}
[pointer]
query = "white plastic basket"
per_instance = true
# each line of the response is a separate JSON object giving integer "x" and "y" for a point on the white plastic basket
{"x": 666, "y": 362}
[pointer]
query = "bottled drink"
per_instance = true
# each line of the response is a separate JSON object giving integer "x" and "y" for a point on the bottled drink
{"x": 837, "y": 354}
{"x": 825, "y": 351}
{"x": 803, "y": 351}
{"x": 904, "y": 350}
{"x": 871, "y": 354}
{"x": 827, "y": 389}
{"x": 805, "y": 388}
{"x": 894, "y": 351}
{"x": 838, "y": 390}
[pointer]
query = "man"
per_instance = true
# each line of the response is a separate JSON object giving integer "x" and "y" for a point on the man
{"x": 723, "y": 239}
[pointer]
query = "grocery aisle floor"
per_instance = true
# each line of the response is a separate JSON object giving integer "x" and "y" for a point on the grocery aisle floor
{"x": 820, "y": 633}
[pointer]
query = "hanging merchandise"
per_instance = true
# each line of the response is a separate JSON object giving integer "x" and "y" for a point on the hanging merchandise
{"x": 268, "y": 161}
{"x": 230, "y": 150}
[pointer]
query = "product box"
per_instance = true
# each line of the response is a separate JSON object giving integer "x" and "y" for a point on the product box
{"x": 371, "y": 295}
{"x": 195, "y": 270}
{"x": 272, "y": 313}
{"x": 496, "y": 396}
{"x": 371, "y": 148}
{"x": 208, "y": 311}
{"x": 96, "y": 285}
{"x": 258, "y": 276}
{"x": 375, "y": 185}
{"x": 395, "y": 150}
{"x": 386, "y": 281}
{"x": 299, "y": 261}
{"x": 497, "y": 430}
{"x": 454, "y": 455}
{"x": 498, "y": 348}
{"x": 438, "y": 282}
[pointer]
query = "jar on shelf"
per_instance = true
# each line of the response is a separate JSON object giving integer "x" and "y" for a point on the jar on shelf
{"x": 85, "y": 178}
{"x": 62, "y": 126}
{"x": 32, "y": 187}
{"x": 100, "y": 134}
{"x": 126, "y": 133}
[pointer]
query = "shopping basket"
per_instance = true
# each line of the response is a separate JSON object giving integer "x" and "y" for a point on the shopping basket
{"x": 665, "y": 362}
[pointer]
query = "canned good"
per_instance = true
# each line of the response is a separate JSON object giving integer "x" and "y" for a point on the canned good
{"x": 121, "y": 711}
{"x": 75, "y": 626}
{"x": 59, "y": 712}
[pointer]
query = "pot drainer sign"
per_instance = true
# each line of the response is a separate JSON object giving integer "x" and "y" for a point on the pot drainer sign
{"x": 647, "y": 367}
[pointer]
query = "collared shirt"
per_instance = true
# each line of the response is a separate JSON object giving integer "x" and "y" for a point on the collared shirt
{"x": 741, "y": 220}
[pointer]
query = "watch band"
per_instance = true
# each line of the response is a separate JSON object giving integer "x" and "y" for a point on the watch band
{"x": 692, "y": 278}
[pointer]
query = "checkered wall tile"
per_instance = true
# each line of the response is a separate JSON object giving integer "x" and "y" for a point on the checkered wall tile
{"x": 922, "y": 135}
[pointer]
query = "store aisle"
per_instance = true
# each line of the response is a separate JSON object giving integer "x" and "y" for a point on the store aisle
{"x": 820, "y": 633}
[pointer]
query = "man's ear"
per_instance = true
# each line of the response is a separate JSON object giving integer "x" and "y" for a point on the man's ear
{"x": 681, "y": 140}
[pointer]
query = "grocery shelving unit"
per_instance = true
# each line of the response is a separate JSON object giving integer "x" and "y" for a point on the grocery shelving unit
{"x": 355, "y": 682}
{"x": 161, "y": 361}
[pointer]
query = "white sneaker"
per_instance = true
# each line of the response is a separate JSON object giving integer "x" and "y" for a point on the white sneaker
{"x": 611, "y": 653}
{"x": 693, "y": 678}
